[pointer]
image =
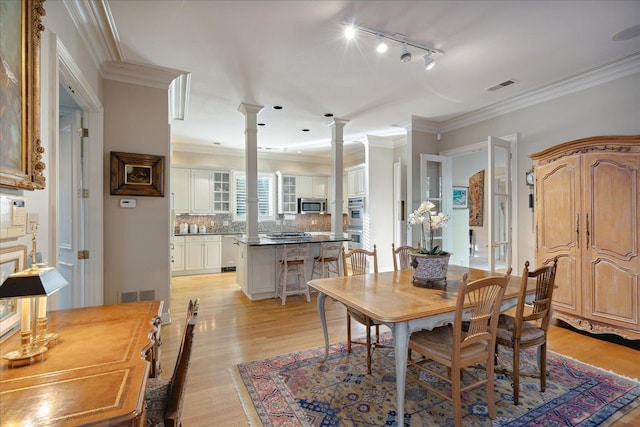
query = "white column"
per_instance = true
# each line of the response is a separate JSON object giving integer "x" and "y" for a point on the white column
{"x": 251, "y": 167}
{"x": 337, "y": 171}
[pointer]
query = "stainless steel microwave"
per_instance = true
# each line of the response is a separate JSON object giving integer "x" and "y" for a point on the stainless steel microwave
{"x": 308, "y": 205}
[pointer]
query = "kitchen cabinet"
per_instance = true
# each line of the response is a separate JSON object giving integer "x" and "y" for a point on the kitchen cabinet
{"x": 356, "y": 181}
{"x": 201, "y": 191}
{"x": 587, "y": 207}
{"x": 293, "y": 186}
{"x": 177, "y": 254}
{"x": 197, "y": 255}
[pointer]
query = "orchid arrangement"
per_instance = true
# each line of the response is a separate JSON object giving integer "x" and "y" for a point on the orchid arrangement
{"x": 425, "y": 214}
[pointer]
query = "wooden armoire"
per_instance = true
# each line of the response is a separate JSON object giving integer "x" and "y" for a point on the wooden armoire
{"x": 587, "y": 210}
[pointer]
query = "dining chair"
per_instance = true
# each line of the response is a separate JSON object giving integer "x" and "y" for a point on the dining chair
{"x": 164, "y": 398}
{"x": 402, "y": 257}
{"x": 529, "y": 326}
{"x": 478, "y": 303}
{"x": 357, "y": 261}
{"x": 328, "y": 261}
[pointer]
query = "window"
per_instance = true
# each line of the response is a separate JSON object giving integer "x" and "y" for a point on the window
{"x": 266, "y": 191}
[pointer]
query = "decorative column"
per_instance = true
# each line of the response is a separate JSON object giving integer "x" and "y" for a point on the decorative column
{"x": 251, "y": 112}
{"x": 337, "y": 172}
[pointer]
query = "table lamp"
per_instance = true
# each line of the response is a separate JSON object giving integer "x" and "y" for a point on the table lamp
{"x": 37, "y": 281}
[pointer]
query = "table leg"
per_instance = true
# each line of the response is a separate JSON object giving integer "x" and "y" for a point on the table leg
{"x": 323, "y": 317}
{"x": 400, "y": 333}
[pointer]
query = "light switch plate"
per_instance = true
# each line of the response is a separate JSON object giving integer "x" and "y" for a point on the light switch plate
{"x": 127, "y": 203}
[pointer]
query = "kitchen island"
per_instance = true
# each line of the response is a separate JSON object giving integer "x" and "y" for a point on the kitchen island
{"x": 257, "y": 263}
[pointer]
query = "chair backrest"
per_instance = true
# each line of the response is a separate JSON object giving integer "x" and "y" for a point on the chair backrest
{"x": 359, "y": 259}
{"x": 292, "y": 253}
{"x": 178, "y": 382}
{"x": 402, "y": 257}
{"x": 330, "y": 251}
{"x": 541, "y": 305}
{"x": 478, "y": 302}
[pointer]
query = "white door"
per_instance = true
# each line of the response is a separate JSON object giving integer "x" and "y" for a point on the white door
{"x": 399, "y": 205}
{"x": 436, "y": 186}
{"x": 499, "y": 204}
{"x": 71, "y": 209}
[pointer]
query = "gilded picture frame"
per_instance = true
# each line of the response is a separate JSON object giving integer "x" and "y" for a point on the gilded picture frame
{"x": 21, "y": 152}
{"x": 12, "y": 260}
{"x": 137, "y": 174}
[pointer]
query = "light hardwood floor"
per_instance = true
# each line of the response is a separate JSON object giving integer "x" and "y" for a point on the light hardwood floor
{"x": 231, "y": 329}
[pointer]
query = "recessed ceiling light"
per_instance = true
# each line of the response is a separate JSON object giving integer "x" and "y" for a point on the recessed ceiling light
{"x": 261, "y": 124}
{"x": 305, "y": 130}
{"x": 267, "y": 148}
{"x": 299, "y": 151}
{"x": 217, "y": 143}
{"x": 277, "y": 107}
{"x": 328, "y": 115}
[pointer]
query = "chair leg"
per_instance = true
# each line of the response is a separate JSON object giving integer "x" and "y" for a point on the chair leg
{"x": 369, "y": 349}
{"x": 456, "y": 396}
{"x": 516, "y": 372}
{"x": 491, "y": 402}
{"x": 542, "y": 366}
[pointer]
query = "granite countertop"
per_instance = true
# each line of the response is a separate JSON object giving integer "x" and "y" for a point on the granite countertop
{"x": 322, "y": 238}
{"x": 218, "y": 233}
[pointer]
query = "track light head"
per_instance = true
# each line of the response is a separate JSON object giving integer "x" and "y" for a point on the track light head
{"x": 405, "y": 56}
{"x": 382, "y": 45}
{"x": 429, "y": 62}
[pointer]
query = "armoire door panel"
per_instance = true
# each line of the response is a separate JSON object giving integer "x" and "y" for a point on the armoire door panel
{"x": 566, "y": 294}
{"x": 557, "y": 198}
{"x": 611, "y": 189}
{"x": 614, "y": 295}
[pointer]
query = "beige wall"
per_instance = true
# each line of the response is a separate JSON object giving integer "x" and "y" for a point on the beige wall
{"x": 136, "y": 241}
{"x": 612, "y": 108}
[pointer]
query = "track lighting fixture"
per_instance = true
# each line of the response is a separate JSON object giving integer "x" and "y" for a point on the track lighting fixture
{"x": 406, "y": 55}
{"x": 351, "y": 30}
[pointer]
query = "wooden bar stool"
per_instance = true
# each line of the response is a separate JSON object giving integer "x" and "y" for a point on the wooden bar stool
{"x": 293, "y": 263}
{"x": 328, "y": 262}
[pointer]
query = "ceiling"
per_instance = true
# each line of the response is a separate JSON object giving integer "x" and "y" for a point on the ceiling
{"x": 293, "y": 54}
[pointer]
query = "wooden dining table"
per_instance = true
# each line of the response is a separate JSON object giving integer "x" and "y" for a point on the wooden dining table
{"x": 95, "y": 374}
{"x": 391, "y": 298}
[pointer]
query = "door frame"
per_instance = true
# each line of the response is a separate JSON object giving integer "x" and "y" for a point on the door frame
{"x": 64, "y": 70}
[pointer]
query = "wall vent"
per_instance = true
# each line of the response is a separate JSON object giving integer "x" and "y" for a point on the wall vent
{"x": 148, "y": 295}
{"x": 501, "y": 85}
{"x": 129, "y": 297}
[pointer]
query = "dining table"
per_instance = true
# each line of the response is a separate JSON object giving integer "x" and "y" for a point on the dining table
{"x": 392, "y": 298}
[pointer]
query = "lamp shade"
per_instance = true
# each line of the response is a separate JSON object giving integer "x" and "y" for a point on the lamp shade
{"x": 32, "y": 282}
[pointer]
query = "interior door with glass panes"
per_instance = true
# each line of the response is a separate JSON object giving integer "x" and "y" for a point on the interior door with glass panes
{"x": 499, "y": 204}
{"x": 436, "y": 187}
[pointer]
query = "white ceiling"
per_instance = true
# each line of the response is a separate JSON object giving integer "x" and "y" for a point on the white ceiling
{"x": 293, "y": 54}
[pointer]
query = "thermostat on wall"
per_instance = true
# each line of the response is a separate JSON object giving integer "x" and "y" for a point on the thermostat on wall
{"x": 127, "y": 203}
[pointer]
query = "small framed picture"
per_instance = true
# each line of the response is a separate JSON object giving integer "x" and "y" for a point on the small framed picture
{"x": 12, "y": 260}
{"x": 460, "y": 197}
{"x": 137, "y": 174}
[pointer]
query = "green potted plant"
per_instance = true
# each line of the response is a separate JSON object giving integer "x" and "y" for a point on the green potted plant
{"x": 430, "y": 262}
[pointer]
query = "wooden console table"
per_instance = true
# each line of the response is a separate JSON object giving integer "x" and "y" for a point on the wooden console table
{"x": 95, "y": 374}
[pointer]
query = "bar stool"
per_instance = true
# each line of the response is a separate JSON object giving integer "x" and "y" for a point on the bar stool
{"x": 293, "y": 264}
{"x": 328, "y": 261}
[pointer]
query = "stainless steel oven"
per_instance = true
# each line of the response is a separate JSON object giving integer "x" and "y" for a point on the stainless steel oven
{"x": 355, "y": 206}
{"x": 356, "y": 238}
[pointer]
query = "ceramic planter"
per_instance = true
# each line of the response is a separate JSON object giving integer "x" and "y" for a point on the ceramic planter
{"x": 429, "y": 269}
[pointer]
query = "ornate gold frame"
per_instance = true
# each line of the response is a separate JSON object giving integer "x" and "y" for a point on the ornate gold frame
{"x": 29, "y": 176}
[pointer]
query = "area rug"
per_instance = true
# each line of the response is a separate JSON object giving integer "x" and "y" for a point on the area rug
{"x": 297, "y": 389}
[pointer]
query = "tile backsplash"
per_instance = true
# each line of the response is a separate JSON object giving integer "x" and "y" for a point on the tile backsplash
{"x": 223, "y": 223}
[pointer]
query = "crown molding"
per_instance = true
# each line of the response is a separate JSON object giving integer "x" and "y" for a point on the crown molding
{"x": 230, "y": 152}
{"x": 94, "y": 22}
{"x": 595, "y": 77}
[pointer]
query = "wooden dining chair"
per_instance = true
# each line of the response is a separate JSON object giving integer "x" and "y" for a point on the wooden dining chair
{"x": 478, "y": 303}
{"x": 402, "y": 257}
{"x": 357, "y": 261}
{"x": 529, "y": 326}
{"x": 164, "y": 398}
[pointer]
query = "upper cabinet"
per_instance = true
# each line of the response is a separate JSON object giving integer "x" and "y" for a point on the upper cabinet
{"x": 356, "y": 181}
{"x": 200, "y": 191}
{"x": 292, "y": 186}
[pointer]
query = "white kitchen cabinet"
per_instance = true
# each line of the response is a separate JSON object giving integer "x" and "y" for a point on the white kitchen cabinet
{"x": 320, "y": 187}
{"x": 213, "y": 253}
{"x": 177, "y": 254}
{"x": 259, "y": 281}
{"x": 201, "y": 191}
{"x": 181, "y": 189}
{"x": 304, "y": 186}
{"x": 356, "y": 181}
{"x": 194, "y": 253}
{"x": 221, "y": 192}
{"x": 287, "y": 193}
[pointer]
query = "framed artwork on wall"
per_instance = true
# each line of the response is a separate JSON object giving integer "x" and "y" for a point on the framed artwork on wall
{"x": 21, "y": 164}
{"x": 12, "y": 260}
{"x": 460, "y": 197}
{"x": 137, "y": 174}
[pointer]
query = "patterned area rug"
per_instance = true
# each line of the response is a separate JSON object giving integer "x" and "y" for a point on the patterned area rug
{"x": 298, "y": 390}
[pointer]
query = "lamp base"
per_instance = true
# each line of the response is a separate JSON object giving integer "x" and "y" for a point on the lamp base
{"x": 24, "y": 357}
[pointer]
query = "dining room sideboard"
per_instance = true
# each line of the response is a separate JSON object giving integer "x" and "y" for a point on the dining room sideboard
{"x": 587, "y": 209}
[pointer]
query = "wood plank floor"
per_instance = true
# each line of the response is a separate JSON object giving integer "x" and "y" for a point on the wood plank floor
{"x": 231, "y": 329}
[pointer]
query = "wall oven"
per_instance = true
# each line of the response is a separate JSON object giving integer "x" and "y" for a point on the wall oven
{"x": 356, "y": 239}
{"x": 308, "y": 205}
{"x": 355, "y": 206}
